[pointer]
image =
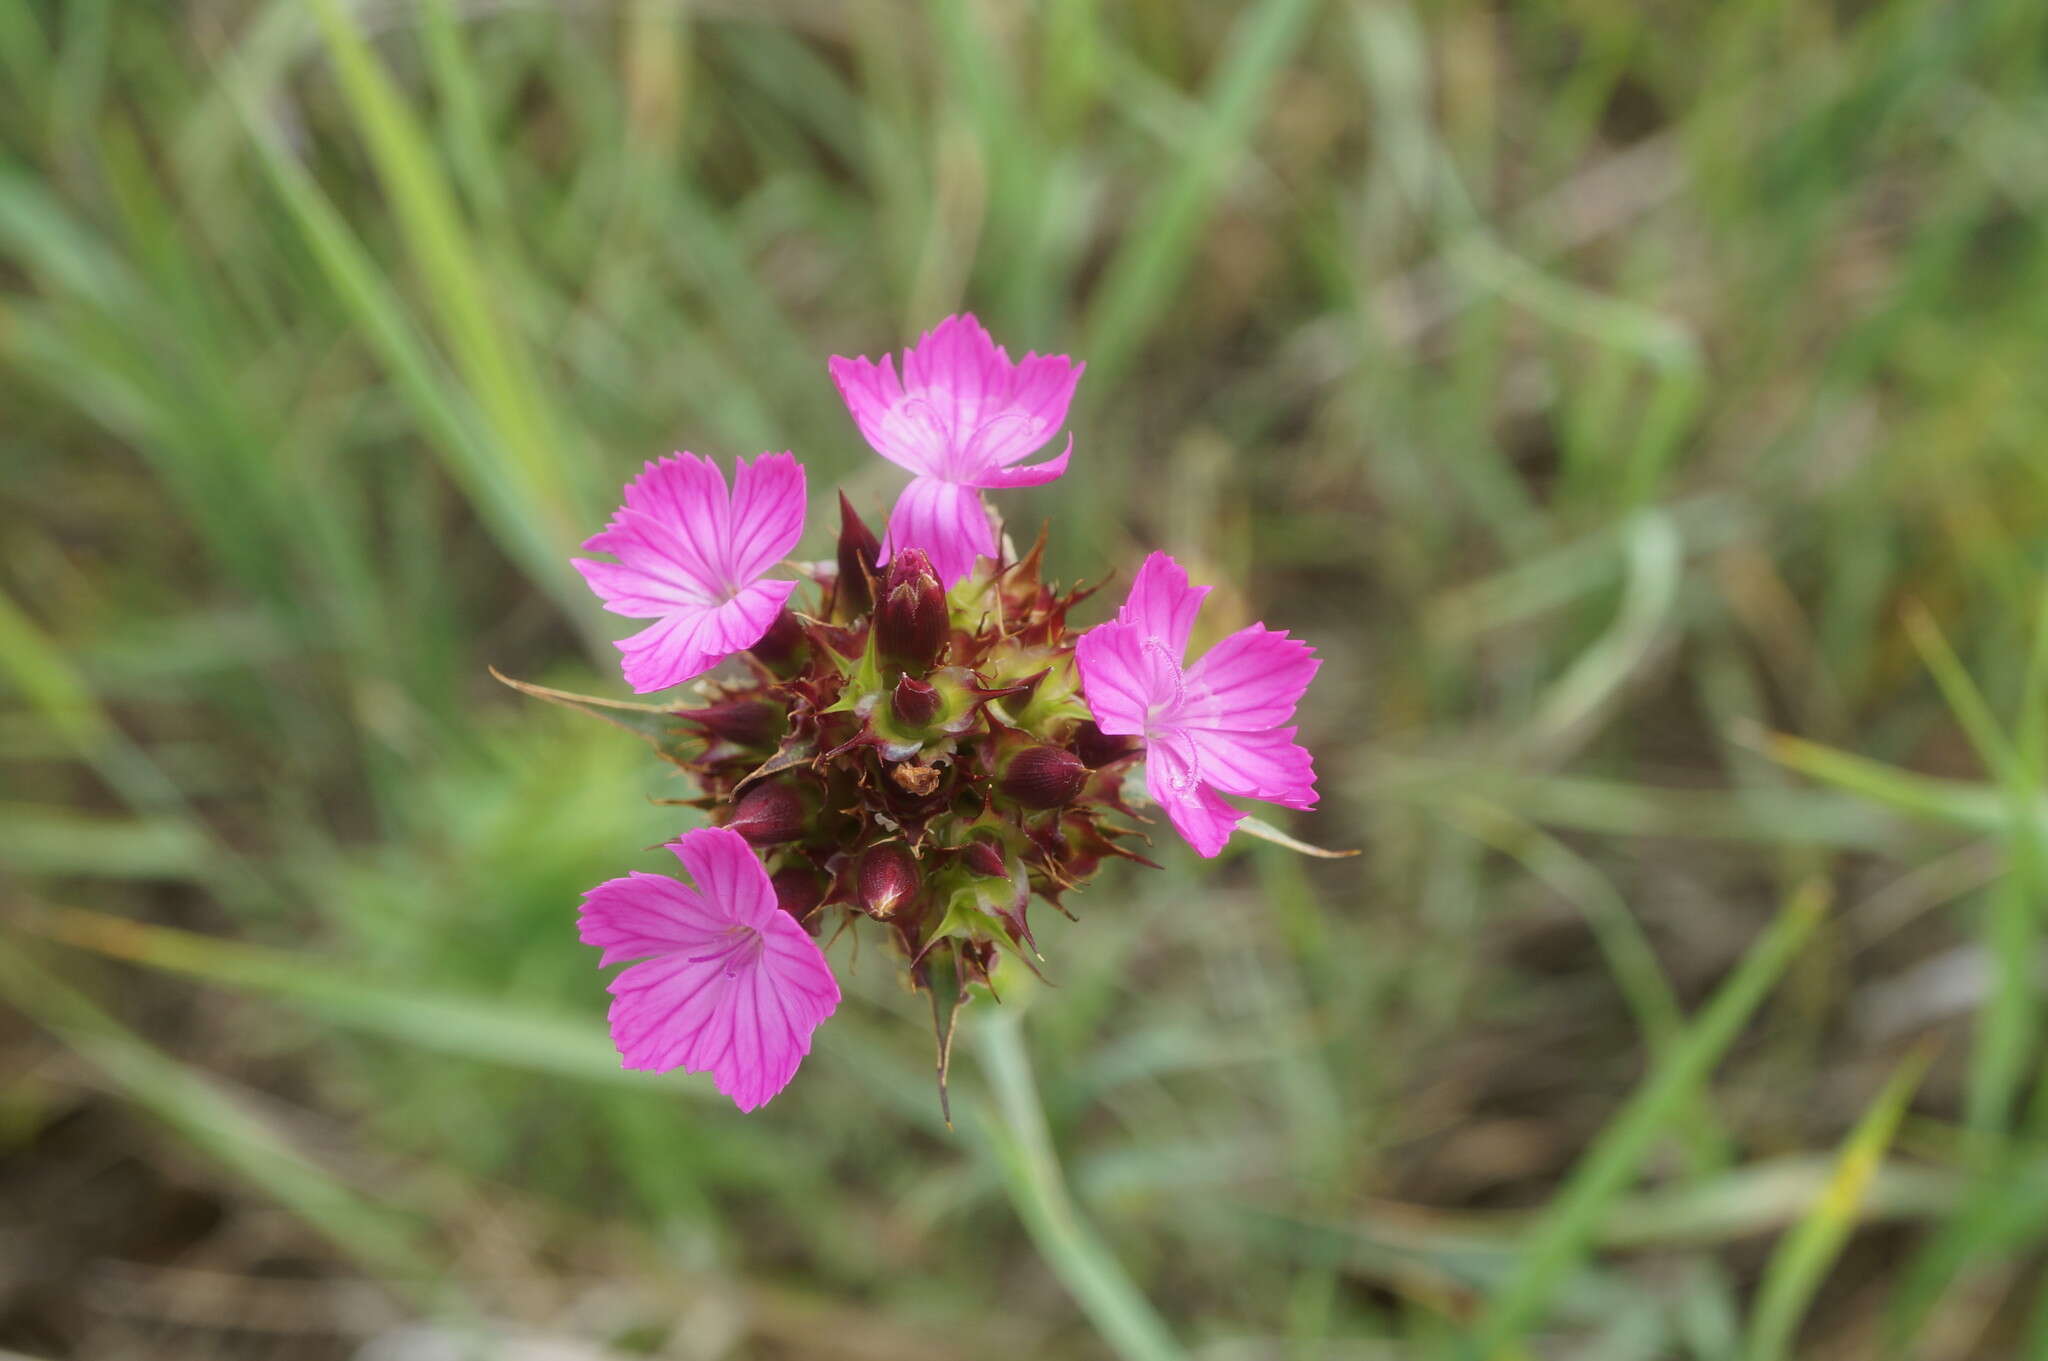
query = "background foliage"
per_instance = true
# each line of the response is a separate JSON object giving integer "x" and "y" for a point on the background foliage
{"x": 1640, "y": 406}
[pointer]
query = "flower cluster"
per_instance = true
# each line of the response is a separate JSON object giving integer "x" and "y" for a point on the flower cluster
{"x": 927, "y": 746}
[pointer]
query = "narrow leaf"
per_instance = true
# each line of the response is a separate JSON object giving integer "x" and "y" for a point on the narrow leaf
{"x": 1804, "y": 1256}
{"x": 655, "y": 724}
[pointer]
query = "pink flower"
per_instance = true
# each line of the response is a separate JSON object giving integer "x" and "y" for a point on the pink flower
{"x": 960, "y": 419}
{"x": 690, "y": 557}
{"x": 729, "y": 984}
{"x": 1208, "y": 728}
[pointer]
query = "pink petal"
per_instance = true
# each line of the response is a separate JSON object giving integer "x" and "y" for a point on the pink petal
{"x": 1042, "y": 387}
{"x": 688, "y": 642}
{"x": 960, "y": 368}
{"x": 682, "y": 489}
{"x": 993, "y": 412}
{"x": 1266, "y": 765}
{"x": 1039, "y": 390}
{"x": 690, "y": 555}
{"x": 645, "y": 914}
{"x": 666, "y": 538}
{"x": 725, "y": 867}
{"x": 640, "y": 590}
{"x": 1033, "y": 475}
{"x": 767, "y": 516}
{"x": 1250, "y": 680}
{"x": 875, "y": 399}
{"x": 963, "y": 410}
{"x": 1204, "y": 820}
{"x": 944, "y": 519}
{"x": 1162, "y": 604}
{"x": 730, "y": 985}
{"x": 1124, "y": 677}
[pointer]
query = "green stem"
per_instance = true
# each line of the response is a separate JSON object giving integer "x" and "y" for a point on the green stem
{"x": 1017, "y": 1133}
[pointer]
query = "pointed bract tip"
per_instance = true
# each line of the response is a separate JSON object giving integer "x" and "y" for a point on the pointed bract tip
{"x": 859, "y": 556}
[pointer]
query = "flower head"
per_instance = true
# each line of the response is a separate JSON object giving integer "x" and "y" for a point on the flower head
{"x": 691, "y": 557}
{"x": 728, "y": 982}
{"x": 922, "y": 747}
{"x": 1211, "y": 727}
{"x": 961, "y": 417}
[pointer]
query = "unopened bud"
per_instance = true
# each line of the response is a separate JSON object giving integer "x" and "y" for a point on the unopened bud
{"x": 915, "y": 703}
{"x": 768, "y": 813}
{"x": 1043, "y": 777}
{"x": 911, "y": 621}
{"x": 859, "y": 554}
{"x": 1097, "y": 748}
{"x": 746, "y": 722}
{"x": 798, "y": 891}
{"x": 783, "y": 646}
{"x": 985, "y": 857}
{"x": 886, "y": 879}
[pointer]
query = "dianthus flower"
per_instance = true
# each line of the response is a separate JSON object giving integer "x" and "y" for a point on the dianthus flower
{"x": 923, "y": 747}
{"x": 1208, "y": 727}
{"x": 728, "y": 983}
{"x": 692, "y": 557}
{"x": 962, "y": 416}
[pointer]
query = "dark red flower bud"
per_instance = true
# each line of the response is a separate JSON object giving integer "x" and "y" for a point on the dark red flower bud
{"x": 1043, "y": 777}
{"x": 886, "y": 879}
{"x": 915, "y": 703}
{"x": 744, "y": 722}
{"x": 911, "y": 621}
{"x": 783, "y": 647}
{"x": 1097, "y": 748}
{"x": 985, "y": 857}
{"x": 859, "y": 552}
{"x": 798, "y": 891}
{"x": 768, "y": 813}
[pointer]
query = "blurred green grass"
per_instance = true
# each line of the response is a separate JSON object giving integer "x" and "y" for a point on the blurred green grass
{"x": 1632, "y": 405}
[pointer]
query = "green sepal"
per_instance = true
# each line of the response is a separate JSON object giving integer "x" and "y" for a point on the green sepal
{"x": 973, "y": 910}
{"x": 863, "y": 679}
{"x": 1055, "y": 703}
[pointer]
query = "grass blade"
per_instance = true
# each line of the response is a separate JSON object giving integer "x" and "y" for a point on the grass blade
{"x": 1959, "y": 803}
{"x": 1805, "y": 1254}
{"x": 483, "y": 1029}
{"x": 446, "y": 414}
{"x": 1022, "y": 1143}
{"x": 213, "y": 1121}
{"x": 1139, "y": 282}
{"x": 1630, "y": 958}
{"x": 1656, "y": 554}
{"x": 486, "y": 346}
{"x": 2005, "y": 1034}
{"x": 1560, "y": 1242}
